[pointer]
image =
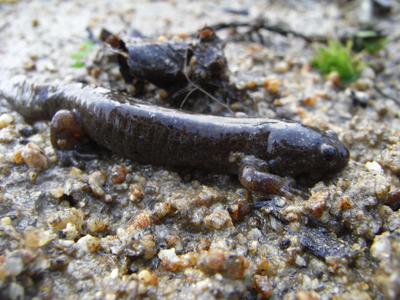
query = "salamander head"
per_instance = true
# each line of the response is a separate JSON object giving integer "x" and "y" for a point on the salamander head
{"x": 305, "y": 149}
{"x": 333, "y": 155}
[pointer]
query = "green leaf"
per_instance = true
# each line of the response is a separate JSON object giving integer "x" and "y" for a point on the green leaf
{"x": 79, "y": 55}
{"x": 78, "y": 64}
{"x": 82, "y": 54}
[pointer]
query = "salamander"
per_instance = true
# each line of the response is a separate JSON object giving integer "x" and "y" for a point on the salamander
{"x": 266, "y": 154}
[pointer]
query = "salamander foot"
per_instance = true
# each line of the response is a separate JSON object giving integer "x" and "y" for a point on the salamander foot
{"x": 255, "y": 179}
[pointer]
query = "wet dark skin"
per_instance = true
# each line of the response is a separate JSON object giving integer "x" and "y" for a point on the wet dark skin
{"x": 266, "y": 154}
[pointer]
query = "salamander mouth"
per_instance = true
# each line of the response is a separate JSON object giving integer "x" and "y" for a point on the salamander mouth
{"x": 330, "y": 157}
{"x": 344, "y": 154}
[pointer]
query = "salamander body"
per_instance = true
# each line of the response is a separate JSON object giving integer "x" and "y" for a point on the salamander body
{"x": 262, "y": 151}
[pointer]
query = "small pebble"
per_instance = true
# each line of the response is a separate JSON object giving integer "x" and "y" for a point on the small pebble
{"x": 374, "y": 167}
{"x": 96, "y": 224}
{"x": 148, "y": 278}
{"x": 207, "y": 196}
{"x": 169, "y": 259}
{"x": 87, "y": 244}
{"x": 363, "y": 84}
{"x": 262, "y": 265}
{"x": 227, "y": 263}
{"x": 162, "y": 209}
{"x": 18, "y": 158}
{"x": 118, "y": 174}
{"x": 281, "y": 67}
{"x": 96, "y": 180}
{"x": 71, "y": 215}
{"x": 15, "y": 291}
{"x": 34, "y": 157}
{"x": 309, "y": 100}
{"x": 5, "y": 120}
{"x": 272, "y": 85}
{"x": 141, "y": 220}
{"x": 136, "y": 191}
{"x": 70, "y": 231}
{"x": 7, "y": 135}
{"x": 218, "y": 220}
{"x": 263, "y": 286}
{"x": 13, "y": 265}
{"x": 57, "y": 192}
{"x": 334, "y": 77}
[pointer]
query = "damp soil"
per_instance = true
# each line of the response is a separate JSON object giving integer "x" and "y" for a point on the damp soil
{"x": 98, "y": 226}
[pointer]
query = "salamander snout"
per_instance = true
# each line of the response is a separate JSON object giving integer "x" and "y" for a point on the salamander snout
{"x": 334, "y": 154}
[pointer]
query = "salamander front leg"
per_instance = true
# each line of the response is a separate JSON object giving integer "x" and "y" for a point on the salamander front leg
{"x": 252, "y": 177}
{"x": 66, "y": 132}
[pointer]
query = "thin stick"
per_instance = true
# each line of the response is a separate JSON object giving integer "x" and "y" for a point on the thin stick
{"x": 199, "y": 88}
{"x": 386, "y": 95}
{"x": 187, "y": 96}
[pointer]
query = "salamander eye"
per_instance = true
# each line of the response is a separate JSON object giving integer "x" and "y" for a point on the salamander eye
{"x": 328, "y": 151}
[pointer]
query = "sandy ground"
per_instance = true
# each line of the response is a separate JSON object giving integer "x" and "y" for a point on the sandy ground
{"x": 80, "y": 233}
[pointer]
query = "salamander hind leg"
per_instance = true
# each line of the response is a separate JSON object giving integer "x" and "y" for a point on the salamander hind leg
{"x": 66, "y": 132}
{"x": 254, "y": 176}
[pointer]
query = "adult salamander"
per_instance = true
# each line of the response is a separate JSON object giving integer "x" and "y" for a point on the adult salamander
{"x": 265, "y": 153}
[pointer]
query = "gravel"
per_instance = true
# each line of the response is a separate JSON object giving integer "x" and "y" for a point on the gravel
{"x": 109, "y": 228}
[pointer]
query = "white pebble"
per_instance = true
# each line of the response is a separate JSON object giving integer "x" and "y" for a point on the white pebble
{"x": 169, "y": 254}
{"x": 374, "y": 167}
{"x": 5, "y": 120}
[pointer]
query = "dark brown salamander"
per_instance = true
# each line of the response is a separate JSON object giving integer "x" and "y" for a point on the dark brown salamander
{"x": 265, "y": 153}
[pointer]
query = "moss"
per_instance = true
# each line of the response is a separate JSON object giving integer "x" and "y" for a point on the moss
{"x": 338, "y": 57}
{"x": 370, "y": 40}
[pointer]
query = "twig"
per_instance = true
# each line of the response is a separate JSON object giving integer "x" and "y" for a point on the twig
{"x": 187, "y": 96}
{"x": 263, "y": 24}
{"x": 386, "y": 95}
{"x": 197, "y": 87}
{"x": 258, "y": 24}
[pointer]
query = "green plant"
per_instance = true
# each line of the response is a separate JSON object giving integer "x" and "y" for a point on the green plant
{"x": 370, "y": 40}
{"x": 81, "y": 55}
{"x": 338, "y": 57}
